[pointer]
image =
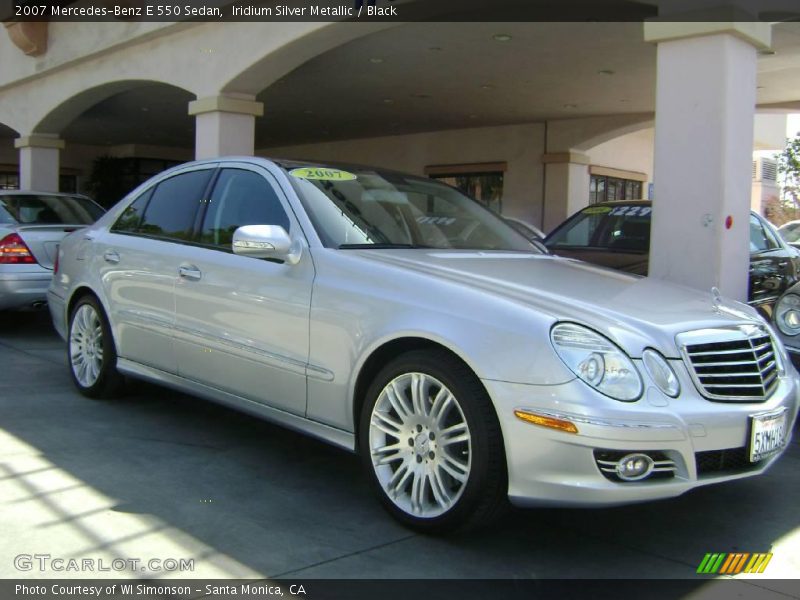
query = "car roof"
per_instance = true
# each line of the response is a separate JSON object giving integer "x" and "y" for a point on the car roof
{"x": 291, "y": 163}
{"x": 623, "y": 203}
{"x": 37, "y": 193}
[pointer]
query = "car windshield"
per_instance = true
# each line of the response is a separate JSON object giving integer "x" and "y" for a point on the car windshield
{"x": 621, "y": 228}
{"x": 42, "y": 209}
{"x": 369, "y": 208}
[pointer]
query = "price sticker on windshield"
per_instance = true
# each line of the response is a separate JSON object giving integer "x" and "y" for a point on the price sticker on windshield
{"x": 597, "y": 210}
{"x": 632, "y": 211}
{"x": 322, "y": 174}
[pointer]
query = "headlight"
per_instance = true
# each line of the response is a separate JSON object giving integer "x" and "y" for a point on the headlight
{"x": 661, "y": 373}
{"x": 787, "y": 314}
{"x": 597, "y": 361}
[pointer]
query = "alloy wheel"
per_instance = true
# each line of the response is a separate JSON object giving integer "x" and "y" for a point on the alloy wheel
{"x": 420, "y": 445}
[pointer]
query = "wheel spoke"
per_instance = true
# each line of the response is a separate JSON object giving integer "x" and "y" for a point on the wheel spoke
{"x": 418, "y": 492}
{"x": 386, "y": 424}
{"x": 387, "y": 454}
{"x": 440, "y": 493}
{"x": 398, "y": 481}
{"x": 454, "y": 434}
{"x": 419, "y": 394}
{"x": 454, "y": 467}
{"x": 398, "y": 401}
{"x": 441, "y": 403}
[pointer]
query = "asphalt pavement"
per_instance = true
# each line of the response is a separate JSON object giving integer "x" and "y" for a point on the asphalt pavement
{"x": 161, "y": 476}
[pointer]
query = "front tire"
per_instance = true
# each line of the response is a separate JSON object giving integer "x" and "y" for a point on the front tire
{"x": 91, "y": 352}
{"x": 431, "y": 443}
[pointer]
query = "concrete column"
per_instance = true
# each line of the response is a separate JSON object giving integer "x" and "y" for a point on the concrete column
{"x": 705, "y": 107}
{"x": 39, "y": 162}
{"x": 566, "y": 186}
{"x": 225, "y": 125}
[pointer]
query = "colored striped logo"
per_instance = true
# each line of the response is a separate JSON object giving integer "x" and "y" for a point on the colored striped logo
{"x": 732, "y": 563}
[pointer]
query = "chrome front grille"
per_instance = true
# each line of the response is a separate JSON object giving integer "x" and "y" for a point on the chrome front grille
{"x": 739, "y": 365}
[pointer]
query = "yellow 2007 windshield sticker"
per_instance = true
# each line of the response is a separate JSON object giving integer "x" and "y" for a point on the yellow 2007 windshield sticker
{"x": 596, "y": 210}
{"x": 322, "y": 173}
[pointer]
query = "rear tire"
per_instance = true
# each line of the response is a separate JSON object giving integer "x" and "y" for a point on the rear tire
{"x": 431, "y": 444}
{"x": 91, "y": 353}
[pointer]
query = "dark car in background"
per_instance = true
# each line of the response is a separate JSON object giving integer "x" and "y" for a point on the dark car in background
{"x": 32, "y": 225}
{"x": 617, "y": 235}
{"x": 786, "y": 318}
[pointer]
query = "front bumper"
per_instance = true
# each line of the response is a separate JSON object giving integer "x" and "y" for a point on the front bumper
{"x": 23, "y": 289}
{"x": 706, "y": 441}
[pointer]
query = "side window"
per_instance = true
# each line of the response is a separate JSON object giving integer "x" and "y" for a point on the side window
{"x": 171, "y": 210}
{"x": 240, "y": 197}
{"x": 760, "y": 239}
{"x": 130, "y": 218}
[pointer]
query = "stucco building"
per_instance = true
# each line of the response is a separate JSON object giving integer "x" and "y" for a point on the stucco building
{"x": 536, "y": 118}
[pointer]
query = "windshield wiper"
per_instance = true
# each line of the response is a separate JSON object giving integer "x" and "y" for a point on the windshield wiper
{"x": 382, "y": 246}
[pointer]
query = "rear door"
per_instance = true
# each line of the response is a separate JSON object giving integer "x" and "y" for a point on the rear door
{"x": 138, "y": 262}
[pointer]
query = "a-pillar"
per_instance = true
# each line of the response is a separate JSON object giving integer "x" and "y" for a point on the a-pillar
{"x": 566, "y": 186}
{"x": 225, "y": 125}
{"x": 705, "y": 106}
{"x": 39, "y": 162}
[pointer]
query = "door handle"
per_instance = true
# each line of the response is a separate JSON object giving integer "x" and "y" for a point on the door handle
{"x": 111, "y": 256}
{"x": 190, "y": 272}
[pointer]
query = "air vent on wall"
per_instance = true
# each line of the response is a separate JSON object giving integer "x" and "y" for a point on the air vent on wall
{"x": 769, "y": 170}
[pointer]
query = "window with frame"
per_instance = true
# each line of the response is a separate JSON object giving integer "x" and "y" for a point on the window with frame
{"x": 761, "y": 238}
{"x": 9, "y": 180}
{"x": 171, "y": 209}
{"x": 131, "y": 217}
{"x": 481, "y": 181}
{"x": 240, "y": 197}
{"x": 604, "y": 188}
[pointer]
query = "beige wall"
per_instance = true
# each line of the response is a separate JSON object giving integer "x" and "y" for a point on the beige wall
{"x": 520, "y": 146}
{"x": 631, "y": 152}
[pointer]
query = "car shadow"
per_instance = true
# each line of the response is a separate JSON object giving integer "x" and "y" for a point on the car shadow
{"x": 278, "y": 503}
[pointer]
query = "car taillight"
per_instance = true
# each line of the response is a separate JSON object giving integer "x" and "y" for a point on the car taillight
{"x": 13, "y": 251}
{"x": 55, "y": 262}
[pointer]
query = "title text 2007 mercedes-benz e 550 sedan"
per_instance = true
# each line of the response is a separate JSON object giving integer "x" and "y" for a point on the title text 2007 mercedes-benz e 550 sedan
{"x": 391, "y": 315}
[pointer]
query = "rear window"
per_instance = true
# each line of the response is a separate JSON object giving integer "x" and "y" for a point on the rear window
{"x": 40, "y": 209}
{"x": 618, "y": 228}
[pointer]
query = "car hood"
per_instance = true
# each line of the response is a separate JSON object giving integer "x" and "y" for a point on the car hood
{"x": 622, "y": 261}
{"x": 636, "y": 312}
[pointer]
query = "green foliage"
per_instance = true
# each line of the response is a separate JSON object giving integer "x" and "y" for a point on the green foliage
{"x": 108, "y": 182}
{"x": 789, "y": 170}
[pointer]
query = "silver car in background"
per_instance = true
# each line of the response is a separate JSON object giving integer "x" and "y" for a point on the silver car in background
{"x": 391, "y": 315}
{"x": 31, "y": 226}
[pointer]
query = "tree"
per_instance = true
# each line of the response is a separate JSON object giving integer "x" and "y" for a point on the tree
{"x": 789, "y": 170}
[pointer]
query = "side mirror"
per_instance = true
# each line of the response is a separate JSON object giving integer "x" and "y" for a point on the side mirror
{"x": 266, "y": 241}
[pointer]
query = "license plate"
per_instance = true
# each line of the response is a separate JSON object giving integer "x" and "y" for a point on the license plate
{"x": 767, "y": 435}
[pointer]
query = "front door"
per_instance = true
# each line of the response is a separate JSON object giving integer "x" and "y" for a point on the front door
{"x": 242, "y": 323}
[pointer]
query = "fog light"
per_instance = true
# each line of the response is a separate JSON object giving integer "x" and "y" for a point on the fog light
{"x": 634, "y": 467}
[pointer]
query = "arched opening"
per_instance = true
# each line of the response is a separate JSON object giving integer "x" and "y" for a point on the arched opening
{"x": 119, "y": 134}
{"x": 9, "y": 172}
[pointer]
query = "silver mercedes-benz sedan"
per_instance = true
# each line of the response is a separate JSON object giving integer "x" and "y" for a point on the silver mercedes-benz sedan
{"x": 391, "y": 315}
{"x": 31, "y": 226}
